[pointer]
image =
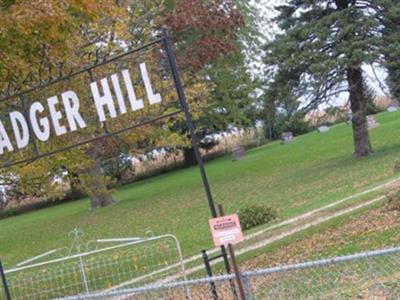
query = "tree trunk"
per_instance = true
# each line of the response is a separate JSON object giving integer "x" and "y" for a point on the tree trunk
{"x": 358, "y": 103}
{"x": 99, "y": 194}
{"x": 190, "y": 156}
{"x": 75, "y": 191}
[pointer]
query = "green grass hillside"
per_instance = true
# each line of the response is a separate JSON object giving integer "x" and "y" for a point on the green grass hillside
{"x": 314, "y": 170}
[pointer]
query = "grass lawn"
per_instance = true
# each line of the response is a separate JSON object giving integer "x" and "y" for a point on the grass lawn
{"x": 314, "y": 170}
{"x": 368, "y": 229}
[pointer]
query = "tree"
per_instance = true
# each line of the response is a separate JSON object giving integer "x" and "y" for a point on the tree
{"x": 390, "y": 16}
{"x": 281, "y": 105}
{"x": 210, "y": 38}
{"x": 322, "y": 47}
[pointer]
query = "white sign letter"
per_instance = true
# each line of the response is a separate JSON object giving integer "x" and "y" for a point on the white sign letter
{"x": 71, "y": 105}
{"x": 102, "y": 101}
{"x": 118, "y": 93}
{"x": 20, "y": 128}
{"x": 56, "y": 116}
{"x": 42, "y": 133}
{"x": 153, "y": 98}
{"x": 4, "y": 140}
{"x": 135, "y": 103}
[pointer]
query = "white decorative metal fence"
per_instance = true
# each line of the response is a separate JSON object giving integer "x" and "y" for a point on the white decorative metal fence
{"x": 122, "y": 264}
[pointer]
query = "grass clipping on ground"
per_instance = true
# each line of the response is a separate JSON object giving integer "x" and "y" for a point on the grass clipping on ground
{"x": 374, "y": 229}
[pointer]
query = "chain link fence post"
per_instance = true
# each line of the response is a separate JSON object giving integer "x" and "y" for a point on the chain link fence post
{"x": 247, "y": 288}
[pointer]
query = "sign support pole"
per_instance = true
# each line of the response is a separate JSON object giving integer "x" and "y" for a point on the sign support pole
{"x": 182, "y": 100}
{"x": 234, "y": 262}
{"x": 4, "y": 282}
{"x": 194, "y": 139}
{"x": 237, "y": 272}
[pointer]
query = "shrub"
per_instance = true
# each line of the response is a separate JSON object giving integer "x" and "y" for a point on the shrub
{"x": 393, "y": 199}
{"x": 254, "y": 215}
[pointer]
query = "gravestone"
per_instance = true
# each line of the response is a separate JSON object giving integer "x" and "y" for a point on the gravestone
{"x": 287, "y": 137}
{"x": 372, "y": 122}
{"x": 323, "y": 129}
{"x": 392, "y": 109}
{"x": 238, "y": 153}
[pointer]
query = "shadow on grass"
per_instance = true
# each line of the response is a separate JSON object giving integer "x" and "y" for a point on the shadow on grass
{"x": 347, "y": 161}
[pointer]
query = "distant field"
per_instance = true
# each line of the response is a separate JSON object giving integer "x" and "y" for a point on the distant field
{"x": 314, "y": 170}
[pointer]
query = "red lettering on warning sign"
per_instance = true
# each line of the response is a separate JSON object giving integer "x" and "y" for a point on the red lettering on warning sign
{"x": 226, "y": 230}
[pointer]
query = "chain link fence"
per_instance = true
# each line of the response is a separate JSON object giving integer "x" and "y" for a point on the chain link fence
{"x": 369, "y": 275}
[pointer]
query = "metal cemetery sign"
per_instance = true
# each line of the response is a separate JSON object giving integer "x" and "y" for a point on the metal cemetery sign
{"x": 112, "y": 97}
{"x": 141, "y": 87}
{"x": 46, "y": 119}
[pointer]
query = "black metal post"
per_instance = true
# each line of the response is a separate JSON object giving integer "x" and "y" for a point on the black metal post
{"x": 182, "y": 100}
{"x": 226, "y": 259}
{"x": 209, "y": 273}
{"x": 4, "y": 282}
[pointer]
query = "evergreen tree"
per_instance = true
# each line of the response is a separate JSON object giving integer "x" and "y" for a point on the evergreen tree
{"x": 321, "y": 50}
{"x": 390, "y": 10}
